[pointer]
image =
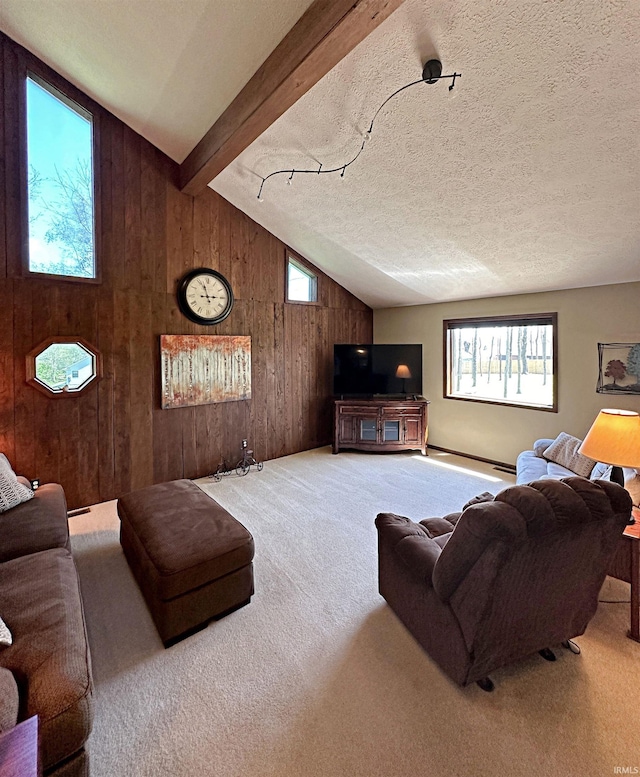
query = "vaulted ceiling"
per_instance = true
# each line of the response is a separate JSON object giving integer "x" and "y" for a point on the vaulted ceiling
{"x": 167, "y": 68}
{"x": 528, "y": 180}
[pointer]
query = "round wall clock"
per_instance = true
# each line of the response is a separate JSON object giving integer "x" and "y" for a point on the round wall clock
{"x": 205, "y": 296}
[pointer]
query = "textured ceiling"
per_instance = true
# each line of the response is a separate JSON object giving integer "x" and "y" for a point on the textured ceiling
{"x": 528, "y": 180}
{"x": 168, "y": 68}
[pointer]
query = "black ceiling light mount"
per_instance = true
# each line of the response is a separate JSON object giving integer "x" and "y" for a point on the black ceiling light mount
{"x": 432, "y": 71}
{"x": 431, "y": 74}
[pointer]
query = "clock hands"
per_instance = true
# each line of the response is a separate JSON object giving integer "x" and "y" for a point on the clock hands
{"x": 205, "y": 296}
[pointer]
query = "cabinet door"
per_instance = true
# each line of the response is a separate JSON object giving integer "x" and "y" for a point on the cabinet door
{"x": 412, "y": 430}
{"x": 391, "y": 430}
{"x": 347, "y": 429}
{"x": 367, "y": 429}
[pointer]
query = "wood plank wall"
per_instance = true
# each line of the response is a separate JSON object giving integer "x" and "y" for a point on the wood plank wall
{"x": 114, "y": 437}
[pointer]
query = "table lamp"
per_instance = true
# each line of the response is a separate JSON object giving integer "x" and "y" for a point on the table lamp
{"x": 614, "y": 438}
{"x": 403, "y": 372}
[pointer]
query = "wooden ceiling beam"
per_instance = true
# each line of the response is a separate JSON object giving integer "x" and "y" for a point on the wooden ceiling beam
{"x": 324, "y": 35}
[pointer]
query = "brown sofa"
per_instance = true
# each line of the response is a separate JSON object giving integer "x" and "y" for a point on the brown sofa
{"x": 506, "y": 577}
{"x": 47, "y": 670}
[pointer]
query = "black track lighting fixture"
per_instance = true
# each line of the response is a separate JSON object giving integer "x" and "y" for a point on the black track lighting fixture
{"x": 431, "y": 74}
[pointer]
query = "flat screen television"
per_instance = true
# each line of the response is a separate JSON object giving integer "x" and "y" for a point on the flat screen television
{"x": 377, "y": 370}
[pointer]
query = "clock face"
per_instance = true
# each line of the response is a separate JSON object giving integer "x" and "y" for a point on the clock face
{"x": 205, "y": 296}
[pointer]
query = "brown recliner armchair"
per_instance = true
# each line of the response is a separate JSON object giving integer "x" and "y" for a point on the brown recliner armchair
{"x": 505, "y": 578}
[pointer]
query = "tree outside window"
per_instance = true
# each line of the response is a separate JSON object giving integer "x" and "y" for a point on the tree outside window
{"x": 63, "y": 366}
{"x": 60, "y": 183}
{"x": 505, "y": 360}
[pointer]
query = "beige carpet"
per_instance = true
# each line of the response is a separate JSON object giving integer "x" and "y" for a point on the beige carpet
{"x": 316, "y": 677}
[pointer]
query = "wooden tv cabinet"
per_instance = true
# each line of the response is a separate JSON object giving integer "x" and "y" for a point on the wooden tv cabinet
{"x": 381, "y": 425}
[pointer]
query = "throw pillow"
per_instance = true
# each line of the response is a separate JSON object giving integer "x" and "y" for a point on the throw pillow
{"x": 12, "y": 492}
{"x": 540, "y": 446}
{"x": 9, "y": 701}
{"x": 564, "y": 451}
{"x": 5, "y": 635}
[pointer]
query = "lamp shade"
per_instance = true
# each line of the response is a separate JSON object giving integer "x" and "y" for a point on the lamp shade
{"x": 614, "y": 438}
{"x": 403, "y": 371}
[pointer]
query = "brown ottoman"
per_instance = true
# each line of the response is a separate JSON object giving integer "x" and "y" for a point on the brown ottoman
{"x": 190, "y": 557}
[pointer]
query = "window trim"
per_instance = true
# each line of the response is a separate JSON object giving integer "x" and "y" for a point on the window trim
{"x": 487, "y": 321}
{"x": 77, "y": 101}
{"x": 307, "y": 268}
{"x": 35, "y": 382}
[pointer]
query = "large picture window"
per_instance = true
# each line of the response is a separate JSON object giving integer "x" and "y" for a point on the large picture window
{"x": 510, "y": 360}
{"x": 60, "y": 182}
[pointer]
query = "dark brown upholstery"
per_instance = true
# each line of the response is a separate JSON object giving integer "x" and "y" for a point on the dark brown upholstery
{"x": 190, "y": 557}
{"x": 511, "y": 576}
{"x": 49, "y": 658}
{"x": 38, "y": 524}
{"x": 76, "y": 766}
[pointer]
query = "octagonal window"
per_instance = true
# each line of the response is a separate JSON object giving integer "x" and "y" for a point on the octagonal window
{"x": 63, "y": 365}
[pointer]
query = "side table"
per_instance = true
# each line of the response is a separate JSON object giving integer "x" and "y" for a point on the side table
{"x": 625, "y": 565}
{"x": 19, "y": 750}
{"x": 632, "y": 538}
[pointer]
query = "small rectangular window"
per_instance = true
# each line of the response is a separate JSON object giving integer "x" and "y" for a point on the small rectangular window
{"x": 60, "y": 183}
{"x": 506, "y": 360}
{"x": 302, "y": 283}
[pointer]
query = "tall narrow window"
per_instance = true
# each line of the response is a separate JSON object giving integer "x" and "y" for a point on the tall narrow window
{"x": 60, "y": 183}
{"x": 507, "y": 360}
{"x": 302, "y": 284}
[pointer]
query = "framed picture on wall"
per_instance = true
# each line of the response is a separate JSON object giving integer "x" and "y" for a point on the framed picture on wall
{"x": 202, "y": 369}
{"x": 619, "y": 368}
